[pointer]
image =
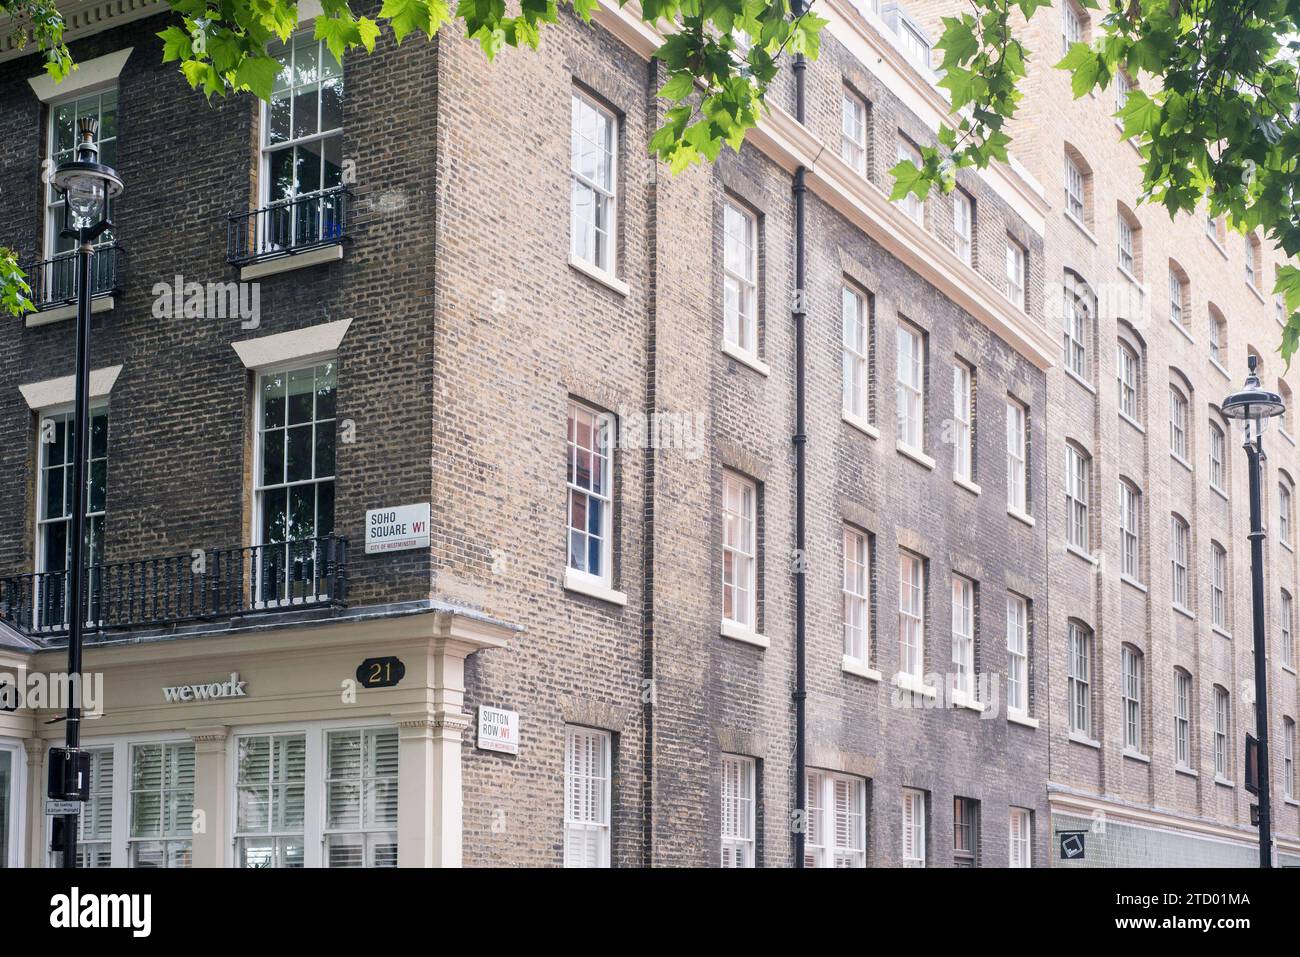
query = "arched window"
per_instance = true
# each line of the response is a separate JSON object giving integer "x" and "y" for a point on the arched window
{"x": 1183, "y": 712}
{"x": 1078, "y": 187}
{"x": 1180, "y": 548}
{"x": 1079, "y": 649}
{"x": 1218, "y": 456}
{"x": 1254, "y": 261}
{"x": 1218, "y": 586}
{"x": 1131, "y": 674}
{"x": 1179, "y": 439}
{"x": 1284, "y": 496}
{"x": 1080, "y": 311}
{"x": 1127, "y": 372}
{"x": 1222, "y": 733}
{"x": 1129, "y": 242}
{"x": 1078, "y": 468}
{"x": 1286, "y": 628}
{"x": 1179, "y": 307}
{"x": 1218, "y": 336}
{"x": 1130, "y": 529}
{"x": 1287, "y": 420}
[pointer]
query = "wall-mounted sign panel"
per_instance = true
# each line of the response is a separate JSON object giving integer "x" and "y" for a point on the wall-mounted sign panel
{"x": 397, "y": 529}
{"x": 498, "y": 730}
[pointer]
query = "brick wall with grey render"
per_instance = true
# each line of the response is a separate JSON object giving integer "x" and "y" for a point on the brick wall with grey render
{"x": 180, "y": 421}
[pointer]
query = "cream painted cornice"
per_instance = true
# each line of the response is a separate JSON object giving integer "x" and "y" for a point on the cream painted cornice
{"x": 789, "y": 144}
{"x": 293, "y": 346}
{"x": 82, "y": 18}
{"x": 55, "y": 392}
{"x": 88, "y": 75}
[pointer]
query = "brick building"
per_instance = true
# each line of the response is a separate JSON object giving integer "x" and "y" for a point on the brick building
{"x": 1151, "y": 661}
{"x": 337, "y": 306}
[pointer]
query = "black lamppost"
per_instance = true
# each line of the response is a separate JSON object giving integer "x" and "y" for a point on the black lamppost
{"x": 87, "y": 186}
{"x": 1253, "y": 406}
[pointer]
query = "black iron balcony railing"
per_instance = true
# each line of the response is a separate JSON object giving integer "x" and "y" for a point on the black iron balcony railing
{"x": 289, "y": 227}
{"x": 54, "y": 281}
{"x": 150, "y": 592}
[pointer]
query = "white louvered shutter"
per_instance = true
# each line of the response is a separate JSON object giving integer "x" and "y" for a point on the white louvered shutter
{"x": 586, "y": 810}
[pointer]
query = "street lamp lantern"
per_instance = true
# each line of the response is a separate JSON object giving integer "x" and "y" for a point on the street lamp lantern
{"x": 1253, "y": 406}
{"x": 86, "y": 184}
{"x": 88, "y": 187}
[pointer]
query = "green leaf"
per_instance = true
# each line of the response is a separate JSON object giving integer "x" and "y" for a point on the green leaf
{"x": 257, "y": 75}
{"x": 405, "y": 16}
{"x": 679, "y": 87}
{"x": 1140, "y": 114}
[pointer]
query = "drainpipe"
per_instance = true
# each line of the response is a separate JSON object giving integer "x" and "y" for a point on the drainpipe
{"x": 798, "y": 314}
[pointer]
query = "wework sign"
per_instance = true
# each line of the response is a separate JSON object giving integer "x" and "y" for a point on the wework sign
{"x": 230, "y": 688}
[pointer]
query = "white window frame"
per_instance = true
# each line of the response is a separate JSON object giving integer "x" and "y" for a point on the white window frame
{"x": 827, "y": 821}
{"x": 1218, "y": 586}
{"x": 963, "y": 415}
{"x": 1125, "y": 245}
{"x": 853, "y": 131}
{"x": 1222, "y": 726}
{"x": 856, "y": 592}
{"x": 739, "y": 799}
{"x": 1015, "y": 287}
{"x": 911, "y": 614}
{"x": 740, "y": 524}
{"x": 1288, "y": 758}
{"x": 740, "y": 279}
{"x": 1127, "y": 377}
{"x": 1130, "y": 528}
{"x": 856, "y": 353}
{"x": 963, "y": 637}
{"x": 1078, "y": 468}
{"x": 1216, "y": 338}
{"x": 1075, "y": 190}
{"x": 1182, "y": 718}
{"x": 598, "y": 822}
{"x": 1071, "y": 26}
{"x": 909, "y": 382}
{"x": 13, "y": 852}
{"x": 965, "y": 820}
{"x": 1021, "y": 834}
{"x": 1122, "y": 89}
{"x": 1179, "y": 441}
{"x": 601, "y": 426}
{"x": 1079, "y": 678}
{"x": 1131, "y": 693}
{"x": 913, "y": 207}
{"x": 1017, "y": 457}
{"x": 963, "y": 223}
{"x": 1017, "y": 655}
{"x": 1286, "y": 612}
{"x": 1177, "y": 292}
{"x": 1218, "y": 452}
{"x": 1078, "y": 323}
{"x": 276, "y": 790}
{"x": 52, "y": 198}
{"x": 604, "y": 196}
{"x": 1179, "y": 553}
{"x": 914, "y": 828}
{"x": 1284, "y": 512}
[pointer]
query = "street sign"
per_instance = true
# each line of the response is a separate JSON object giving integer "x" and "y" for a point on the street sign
{"x": 397, "y": 529}
{"x": 55, "y": 808}
{"x": 498, "y": 730}
{"x": 1073, "y": 845}
{"x": 1252, "y": 764}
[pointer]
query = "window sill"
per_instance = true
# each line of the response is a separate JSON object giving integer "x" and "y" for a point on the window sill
{"x": 1258, "y": 295}
{"x": 1221, "y": 632}
{"x": 1077, "y": 737}
{"x": 1291, "y": 801}
{"x": 1079, "y": 225}
{"x": 1217, "y": 245}
{"x": 1136, "y": 756}
{"x": 592, "y": 587}
{"x": 1181, "y": 461}
{"x": 1223, "y": 782}
{"x": 961, "y": 699}
{"x": 1183, "y": 329}
{"x": 1218, "y": 365}
{"x": 1016, "y": 717}
{"x": 861, "y": 424}
{"x": 1133, "y": 422}
{"x": 1128, "y": 274}
{"x": 46, "y": 317}
{"x": 915, "y": 455}
{"x": 852, "y": 666}
{"x": 1286, "y": 435}
{"x": 967, "y": 484}
{"x": 738, "y": 632}
{"x": 1184, "y": 769}
{"x": 914, "y": 684}
{"x": 1133, "y": 583}
{"x": 1080, "y": 553}
{"x": 283, "y": 264}
{"x": 1287, "y": 545}
{"x": 1219, "y": 492}
{"x": 746, "y": 359}
{"x": 1184, "y": 610}
{"x": 1081, "y": 380}
{"x": 609, "y": 280}
{"x": 1020, "y": 516}
{"x": 1288, "y": 668}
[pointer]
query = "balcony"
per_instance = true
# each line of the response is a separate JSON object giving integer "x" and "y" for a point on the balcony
{"x": 157, "y": 592}
{"x": 54, "y": 283}
{"x": 296, "y": 232}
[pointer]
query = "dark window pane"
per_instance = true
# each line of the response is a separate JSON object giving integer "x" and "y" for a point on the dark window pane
{"x": 55, "y": 558}
{"x": 273, "y": 515}
{"x": 333, "y": 175}
{"x": 301, "y": 386}
{"x": 98, "y": 473}
{"x": 273, "y": 401}
{"x": 304, "y": 112}
{"x": 307, "y": 167}
{"x": 298, "y": 458}
{"x": 325, "y": 383}
{"x": 273, "y": 457}
{"x": 99, "y": 436}
{"x": 53, "y": 493}
{"x": 281, "y": 175}
{"x": 302, "y": 512}
{"x": 325, "y": 509}
{"x": 324, "y": 449}
{"x": 331, "y": 106}
{"x": 278, "y": 119}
